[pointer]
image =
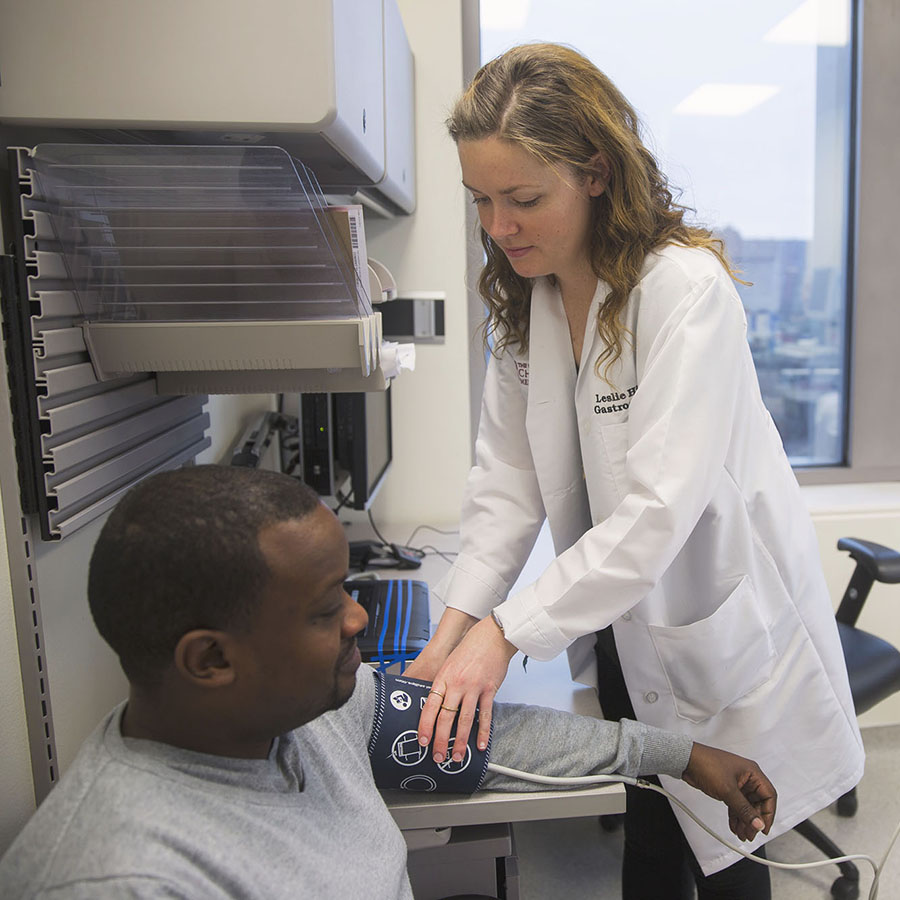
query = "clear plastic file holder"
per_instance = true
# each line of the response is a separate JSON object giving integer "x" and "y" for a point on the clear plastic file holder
{"x": 217, "y": 265}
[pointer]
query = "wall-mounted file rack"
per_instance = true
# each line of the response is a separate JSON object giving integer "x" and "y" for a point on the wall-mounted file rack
{"x": 213, "y": 267}
{"x": 80, "y": 442}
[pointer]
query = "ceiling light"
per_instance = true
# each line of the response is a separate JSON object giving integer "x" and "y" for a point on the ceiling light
{"x": 725, "y": 99}
{"x": 504, "y": 15}
{"x": 823, "y": 22}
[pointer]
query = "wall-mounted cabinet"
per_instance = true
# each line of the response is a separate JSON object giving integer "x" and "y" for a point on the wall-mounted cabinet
{"x": 330, "y": 81}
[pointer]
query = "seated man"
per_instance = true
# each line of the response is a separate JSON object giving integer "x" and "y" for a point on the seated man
{"x": 238, "y": 765}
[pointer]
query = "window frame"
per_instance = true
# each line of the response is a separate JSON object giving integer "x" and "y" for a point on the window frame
{"x": 872, "y": 434}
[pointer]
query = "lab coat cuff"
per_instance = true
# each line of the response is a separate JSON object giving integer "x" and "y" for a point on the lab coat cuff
{"x": 471, "y": 587}
{"x": 528, "y": 626}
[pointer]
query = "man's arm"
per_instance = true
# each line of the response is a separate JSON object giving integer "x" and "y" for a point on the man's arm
{"x": 551, "y": 742}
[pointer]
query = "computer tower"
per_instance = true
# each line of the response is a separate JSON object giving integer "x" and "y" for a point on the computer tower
{"x": 346, "y": 446}
{"x": 320, "y": 471}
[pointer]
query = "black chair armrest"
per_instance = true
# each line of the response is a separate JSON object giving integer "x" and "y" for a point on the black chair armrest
{"x": 882, "y": 563}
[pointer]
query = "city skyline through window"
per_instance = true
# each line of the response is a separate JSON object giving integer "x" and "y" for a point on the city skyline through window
{"x": 747, "y": 109}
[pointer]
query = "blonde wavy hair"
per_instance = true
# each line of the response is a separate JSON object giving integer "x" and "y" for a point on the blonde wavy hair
{"x": 555, "y": 104}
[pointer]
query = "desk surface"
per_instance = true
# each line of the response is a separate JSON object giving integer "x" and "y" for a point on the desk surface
{"x": 541, "y": 684}
{"x": 448, "y": 810}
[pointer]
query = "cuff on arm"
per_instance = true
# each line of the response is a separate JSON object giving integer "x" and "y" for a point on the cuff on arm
{"x": 664, "y": 752}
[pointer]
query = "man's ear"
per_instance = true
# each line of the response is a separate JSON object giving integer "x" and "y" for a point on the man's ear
{"x": 204, "y": 657}
{"x": 598, "y": 174}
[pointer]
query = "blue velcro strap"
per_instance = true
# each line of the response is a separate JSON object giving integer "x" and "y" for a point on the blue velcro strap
{"x": 398, "y": 760}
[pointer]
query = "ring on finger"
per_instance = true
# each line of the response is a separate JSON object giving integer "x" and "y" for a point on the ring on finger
{"x": 433, "y": 691}
{"x": 453, "y": 709}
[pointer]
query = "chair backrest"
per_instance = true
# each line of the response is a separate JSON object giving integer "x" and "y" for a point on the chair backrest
{"x": 874, "y": 562}
{"x": 873, "y": 664}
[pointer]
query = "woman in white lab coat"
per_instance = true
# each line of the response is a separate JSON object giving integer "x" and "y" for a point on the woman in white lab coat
{"x": 621, "y": 403}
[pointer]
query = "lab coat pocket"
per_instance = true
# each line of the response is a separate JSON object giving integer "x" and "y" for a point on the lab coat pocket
{"x": 714, "y": 662}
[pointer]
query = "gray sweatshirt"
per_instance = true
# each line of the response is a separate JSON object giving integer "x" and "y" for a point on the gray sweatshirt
{"x": 135, "y": 818}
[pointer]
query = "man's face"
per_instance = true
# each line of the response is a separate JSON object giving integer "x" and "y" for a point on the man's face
{"x": 300, "y": 657}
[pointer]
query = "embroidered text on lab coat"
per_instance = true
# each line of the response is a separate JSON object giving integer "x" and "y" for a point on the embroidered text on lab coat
{"x": 617, "y": 401}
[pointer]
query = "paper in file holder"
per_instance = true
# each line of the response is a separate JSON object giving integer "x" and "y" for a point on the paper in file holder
{"x": 213, "y": 267}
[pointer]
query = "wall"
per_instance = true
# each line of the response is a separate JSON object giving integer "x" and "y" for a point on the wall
{"x": 229, "y": 416}
{"x": 427, "y": 251}
{"x": 16, "y": 794}
{"x": 16, "y": 786}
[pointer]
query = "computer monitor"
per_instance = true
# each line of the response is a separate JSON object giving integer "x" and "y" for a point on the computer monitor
{"x": 346, "y": 444}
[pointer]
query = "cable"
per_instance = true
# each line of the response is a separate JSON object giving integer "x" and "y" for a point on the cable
{"x": 343, "y": 500}
{"x": 446, "y": 555}
{"x": 767, "y": 862}
{"x": 561, "y": 779}
{"x": 419, "y": 552}
{"x": 412, "y": 551}
{"x": 418, "y": 528}
{"x": 873, "y": 893}
{"x": 641, "y": 783}
{"x": 378, "y": 534}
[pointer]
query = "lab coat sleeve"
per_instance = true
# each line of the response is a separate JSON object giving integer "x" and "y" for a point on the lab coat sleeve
{"x": 679, "y": 431}
{"x": 502, "y": 507}
{"x": 551, "y": 742}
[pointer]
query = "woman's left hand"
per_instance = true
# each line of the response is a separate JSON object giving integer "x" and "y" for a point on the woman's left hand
{"x": 470, "y": 677}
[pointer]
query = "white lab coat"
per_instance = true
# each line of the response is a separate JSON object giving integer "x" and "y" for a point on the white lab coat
{"x": 676, "y": 517}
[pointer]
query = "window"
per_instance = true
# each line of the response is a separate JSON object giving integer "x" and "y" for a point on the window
{"x": 748, "y": 109}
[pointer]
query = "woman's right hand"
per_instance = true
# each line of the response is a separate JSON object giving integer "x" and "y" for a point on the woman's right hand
{"x": 451, "y": 630}
{"x": 463, "y": 687}
{"x": 426, "y": 665}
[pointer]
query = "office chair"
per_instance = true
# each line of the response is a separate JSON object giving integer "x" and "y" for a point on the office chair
{"x": 874, "y": 669}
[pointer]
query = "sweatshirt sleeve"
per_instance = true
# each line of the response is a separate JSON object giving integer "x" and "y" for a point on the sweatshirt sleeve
{"x": 134, "y": 887}
{"x": 550, "y": 742}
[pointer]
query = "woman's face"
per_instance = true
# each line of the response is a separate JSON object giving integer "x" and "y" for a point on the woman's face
{"x": 538, "y": 215}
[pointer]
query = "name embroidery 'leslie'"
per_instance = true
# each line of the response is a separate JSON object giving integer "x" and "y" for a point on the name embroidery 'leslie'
{"x": 616, "y": 401}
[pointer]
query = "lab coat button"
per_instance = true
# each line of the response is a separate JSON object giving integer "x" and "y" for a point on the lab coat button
{"x": 626, "y": 616}
{"x": 651, "y": 696}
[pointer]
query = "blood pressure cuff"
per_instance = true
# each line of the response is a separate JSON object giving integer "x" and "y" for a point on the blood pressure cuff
{"x": 398, "y": 760}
